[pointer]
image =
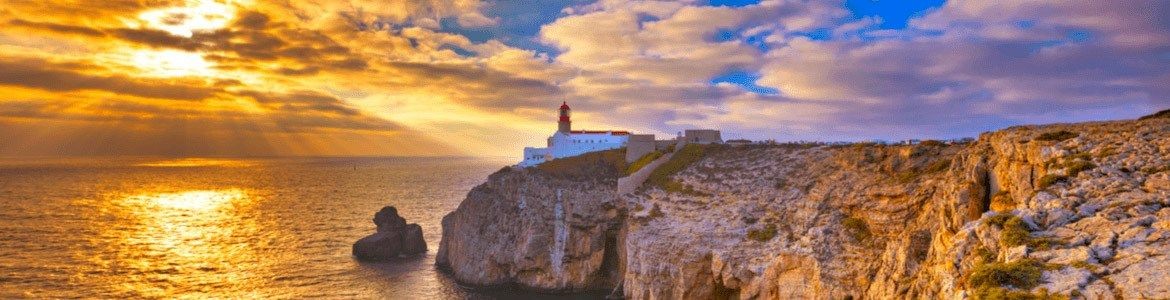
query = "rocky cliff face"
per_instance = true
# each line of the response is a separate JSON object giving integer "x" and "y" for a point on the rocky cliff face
{"x": 1079, "y": 210}
{"x": 543, "y": 229}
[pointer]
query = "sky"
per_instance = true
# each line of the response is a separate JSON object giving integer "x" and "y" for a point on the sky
{"x": 484, "y": 77}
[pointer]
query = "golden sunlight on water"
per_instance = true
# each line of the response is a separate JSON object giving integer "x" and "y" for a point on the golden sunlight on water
{"x": 174, "y": 241}
{"x": 216, "y": 228}
{"x": 198, "y": 162}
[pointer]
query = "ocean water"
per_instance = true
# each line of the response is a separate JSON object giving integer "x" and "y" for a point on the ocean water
{"x": 223, "y": 228}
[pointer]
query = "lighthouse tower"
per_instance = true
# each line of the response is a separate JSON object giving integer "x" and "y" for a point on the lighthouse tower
{"x": 565, "y": 125}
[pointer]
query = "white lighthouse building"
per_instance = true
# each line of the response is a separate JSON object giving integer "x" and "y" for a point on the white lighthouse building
{"x": 567, "y": 142}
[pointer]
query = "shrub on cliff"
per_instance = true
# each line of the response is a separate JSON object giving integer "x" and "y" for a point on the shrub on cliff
{"x": 1022, "y": 274}
{"x": 763, "y": 235}
{"x": 1056, "y": 136}
{"x": 1076, "y": 167}
{"x": 1013, "y": 231}
{"x": 856, "y": 228}
{"x": 1050, "y": 179}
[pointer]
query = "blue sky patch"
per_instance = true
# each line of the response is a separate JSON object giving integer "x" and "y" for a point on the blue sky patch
{"x": 733, "y": 3}
{"x": 894, "y": 13}
{"x": 746, "y": 80}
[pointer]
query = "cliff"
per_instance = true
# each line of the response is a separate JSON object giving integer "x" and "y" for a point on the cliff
{"x": 552, "y": 228}
{"x": 1070, "y": 210}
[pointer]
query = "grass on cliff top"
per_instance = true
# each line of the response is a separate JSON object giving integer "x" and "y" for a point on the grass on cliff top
{"x": 1157, "y": 115}
{"x": 1013, "y": 232}
{"x": 661, "y": 177}
{"x": 643, "y": 161}
{"x": 1056, "y": 136}
{"x": 988, "y": 278}
{"x": 602, "y": 164}
{"x": 1050, "y": 179}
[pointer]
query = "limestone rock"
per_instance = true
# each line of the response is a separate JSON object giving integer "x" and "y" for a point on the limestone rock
{"x": 541, "y": 230}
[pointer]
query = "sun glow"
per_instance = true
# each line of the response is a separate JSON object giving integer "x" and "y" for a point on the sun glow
{"x": 192, "y": 200}
{"x": 196, "y": 16}
{"x": 198, "y": 162}
{"x": 172, "y": 63}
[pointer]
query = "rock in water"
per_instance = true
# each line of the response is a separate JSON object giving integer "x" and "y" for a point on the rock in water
{"x": 394, "y": 238}
{"x": 379, "y": 246}
{"x": 412, "y": 240}
{"x": 387, "y": 219}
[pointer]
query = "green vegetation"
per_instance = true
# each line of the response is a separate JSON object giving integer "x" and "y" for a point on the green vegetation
{"x": 1157, "y": 115}
{"x": 1080, "y": 264}
{"x": 1155, "y": 169}
{"x": 656, "y": 212}
{"x": 856, "y": 228}
{"x": 932, "y": 143}
{"x": 998, "y": 293}
{"x": 1107, "y": 151}
{"x": 910, "y": 174}
{"x": 1021, "y": 274}
{"x": 1013, "y": 231}
{"x": 643, "y": 161}
{"x": 602, "y": 164}
{"x": 1078, "y": 166}
{"x": 1056, "y": 136}
{"x": 1050, "y": 179}
{"x": 985, "y": 254}
{"x": 686, "y": 156}
{"x": 763, "y": 235}
{"x": 938, "y": 166}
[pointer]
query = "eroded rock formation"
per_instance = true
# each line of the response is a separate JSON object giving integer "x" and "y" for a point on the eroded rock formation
{"x": 394, "y": 239}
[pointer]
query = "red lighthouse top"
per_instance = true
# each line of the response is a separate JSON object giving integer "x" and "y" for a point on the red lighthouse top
{"x": 565, "y": 111}
{"x": 565, "y": 125}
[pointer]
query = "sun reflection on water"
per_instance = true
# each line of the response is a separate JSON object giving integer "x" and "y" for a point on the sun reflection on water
{"x": 193, "y": 200}
{"x": 198, "y": 162}
{"x": 189, "y": 243}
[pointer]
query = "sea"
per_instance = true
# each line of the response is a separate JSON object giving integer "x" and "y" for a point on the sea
{"x": 197, "y": 228}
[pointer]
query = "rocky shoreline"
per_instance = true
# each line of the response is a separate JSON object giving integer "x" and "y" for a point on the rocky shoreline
{"x": 1068, "y": 210}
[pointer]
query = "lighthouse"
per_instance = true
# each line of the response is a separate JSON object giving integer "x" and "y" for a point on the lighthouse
{"x": 565, "y": 124}
{"x": 566, "y": 142}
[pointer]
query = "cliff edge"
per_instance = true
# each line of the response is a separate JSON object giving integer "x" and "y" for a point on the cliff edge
{"x": 553, "y": 228}
{"x": 1063, "y": 210}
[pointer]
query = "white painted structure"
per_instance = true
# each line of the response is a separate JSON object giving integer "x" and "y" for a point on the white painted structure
{"x": 567, "y": 142}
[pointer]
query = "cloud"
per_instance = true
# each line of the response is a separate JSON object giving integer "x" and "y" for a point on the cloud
{"x": 40, "y": 74}
{"x": 364, "y": 76}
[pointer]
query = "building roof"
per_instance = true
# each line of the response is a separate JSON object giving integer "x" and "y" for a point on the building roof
{"x": 565, "y": 105}
{"x": 599, "y": 132}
